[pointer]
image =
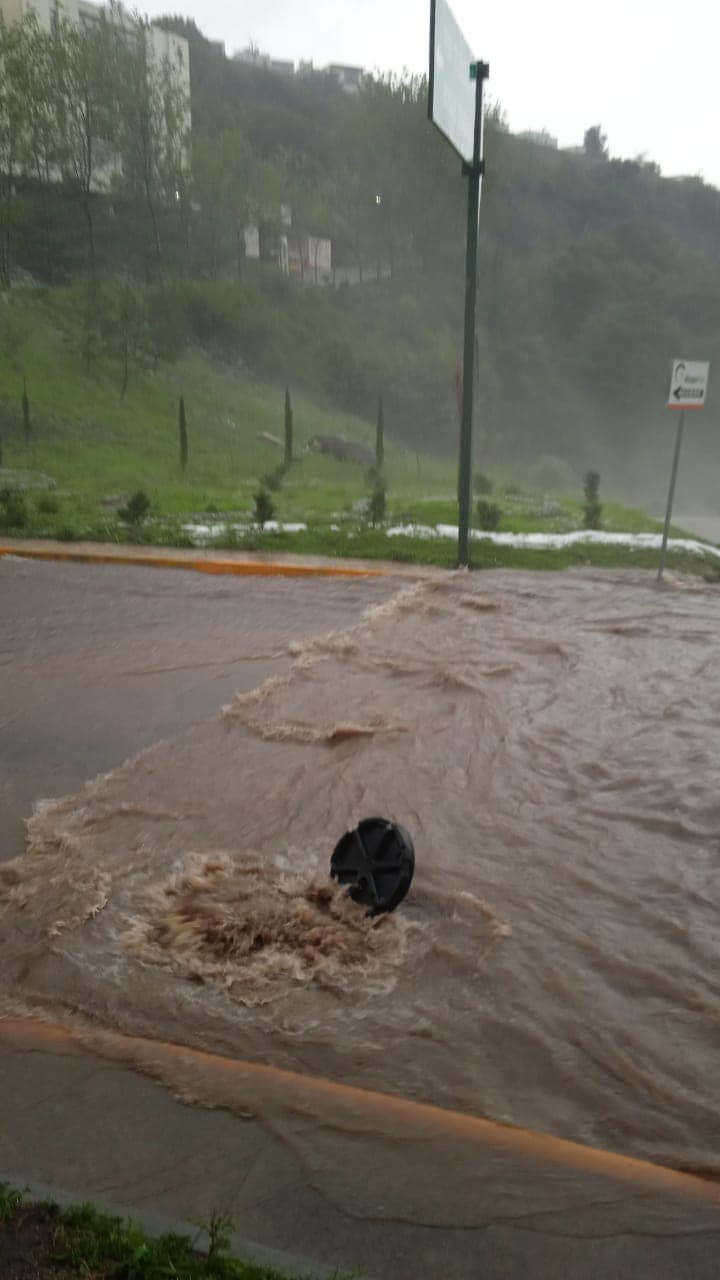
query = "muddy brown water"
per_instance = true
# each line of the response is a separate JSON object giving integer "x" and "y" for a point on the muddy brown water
{"x": 551, "y": 741}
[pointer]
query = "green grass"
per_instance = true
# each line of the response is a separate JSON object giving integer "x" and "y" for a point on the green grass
{"x": 95, "y": 445}
{"x": 81, "y": 1241}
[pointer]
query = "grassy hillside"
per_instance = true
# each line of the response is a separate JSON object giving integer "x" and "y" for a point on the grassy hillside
{"x": 97, "y": 447}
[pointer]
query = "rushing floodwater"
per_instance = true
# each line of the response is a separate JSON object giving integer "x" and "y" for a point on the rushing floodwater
{"x": 552, "y": 742}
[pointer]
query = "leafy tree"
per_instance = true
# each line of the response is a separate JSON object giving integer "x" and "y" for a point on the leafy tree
{"x": 42, "y": 143}
{"x": 225, "y": 189}
{"x": 89, "y": 63}
{"x": 14, "y": 97}
{"x": 153, "y": 125}
{"x": 595, "y": 143}
{"x": 124, "y": 329}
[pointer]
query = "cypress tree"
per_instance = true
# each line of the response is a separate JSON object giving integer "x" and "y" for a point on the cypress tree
{"x": 183, "y": 436}
{"x": 288, "y": 428}
{"x": 26, "y": 413}
{"x": 380, "y": 438}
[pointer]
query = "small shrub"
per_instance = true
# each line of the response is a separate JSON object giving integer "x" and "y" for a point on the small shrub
{"x": 264, "y": 508}
{"x": 488, "y": 515}
{"x": 219, "y": 1230}
{"x": 377, "y": 505}
{"x": 591, "y": 485}
{"x": 136, "y": 509}
{"x": 13, "y": 509}
{"x": 482, "y": 484}
{"x": 10, "y": 1202}
{"x": 274, "y": 479}
{"x": 593, "y": 515}
{"x": 47, "y": 504}
{"x": 251, "y": 541}
{"x": 229, "y": 539}
{"x": 593, "y": 506}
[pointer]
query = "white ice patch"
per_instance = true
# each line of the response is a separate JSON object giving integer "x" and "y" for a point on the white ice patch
{"x": 208, "y": 531}
{"x": 548, "y": 541}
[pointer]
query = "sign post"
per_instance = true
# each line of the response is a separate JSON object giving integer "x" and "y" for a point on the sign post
{"x": 455, "y": 106}
{"x": 688, "y": 389}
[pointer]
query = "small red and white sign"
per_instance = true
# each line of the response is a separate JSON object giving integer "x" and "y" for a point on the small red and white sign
{"x": 688, "y": 384}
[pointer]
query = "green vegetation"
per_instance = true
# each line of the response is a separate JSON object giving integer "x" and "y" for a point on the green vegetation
{"x": 288, "y": 429}
{"x": 81, "y": 1241}
{"x": 380, "y": 438}
{"x": 182, "y": 426}
{"x": 141, "y": 313}
{"x": 264, "y": 508}
{"x": 488, "y": 515}
{"x": 113, "y": 461}
{"x": 592, "y": 515}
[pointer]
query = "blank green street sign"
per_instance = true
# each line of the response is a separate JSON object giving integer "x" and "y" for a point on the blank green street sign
{"x": 451, "y": 101}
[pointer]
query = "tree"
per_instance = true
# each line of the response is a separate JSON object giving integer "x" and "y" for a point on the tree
{"x": 183, "y": 436}
{"x": 380, "y": 438}
{"x": 595, "y": 143}
{"x": 41, "y": 127}
{"x": 224, "y": 185}
{"x": 27, "y": 425}
{"x": 13, "y": 99}
{"x": 124, "y": 331}
{"x": 593, "y": 506}
{"x": 153, "y": 120}
{"x": 378, "y": 502}
{"x": 89, "y": 64}
{"x": 288, "y": 429}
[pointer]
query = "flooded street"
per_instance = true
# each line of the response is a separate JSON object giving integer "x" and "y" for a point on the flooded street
{"x": 551, "y": 742}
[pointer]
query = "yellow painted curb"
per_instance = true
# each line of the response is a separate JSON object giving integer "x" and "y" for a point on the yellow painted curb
{"x": 246, "y": 568}
{"x": 383, "y": 1113}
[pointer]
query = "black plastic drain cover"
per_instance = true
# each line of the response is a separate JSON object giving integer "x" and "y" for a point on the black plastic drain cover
{"x": 377, "y": 860}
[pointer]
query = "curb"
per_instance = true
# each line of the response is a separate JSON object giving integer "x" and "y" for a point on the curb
{"x": 312, "y": 1093}
{"x": 245, "y": 568}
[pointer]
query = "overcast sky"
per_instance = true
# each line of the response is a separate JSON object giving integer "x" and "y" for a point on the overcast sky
{"x": 648, "y": 71}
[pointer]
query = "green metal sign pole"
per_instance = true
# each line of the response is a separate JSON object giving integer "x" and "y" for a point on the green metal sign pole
{"x": 479, "y": 71}
{"x": 671, "y": 492}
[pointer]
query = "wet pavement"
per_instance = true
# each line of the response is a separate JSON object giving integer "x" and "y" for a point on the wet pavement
{"x": 97, "y": 663}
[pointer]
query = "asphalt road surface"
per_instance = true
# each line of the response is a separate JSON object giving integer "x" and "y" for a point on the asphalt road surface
{"x": 97, "y": 662}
